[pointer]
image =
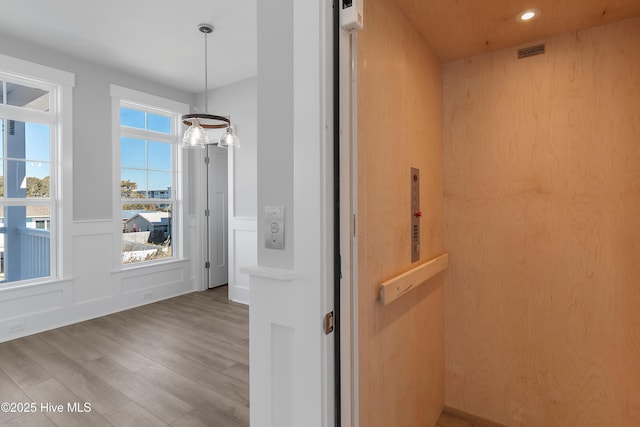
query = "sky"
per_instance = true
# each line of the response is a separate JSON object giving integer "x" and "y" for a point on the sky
{"x": 37, "y": 151}
{"x": 37, "y": 148}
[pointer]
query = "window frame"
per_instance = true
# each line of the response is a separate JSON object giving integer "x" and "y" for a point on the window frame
{"x": 128, "y": 98}
{"x": 59, "y": 84}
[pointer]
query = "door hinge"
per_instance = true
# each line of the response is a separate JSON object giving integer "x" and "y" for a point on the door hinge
{"x": 206, "y": 160}
{"x": 207, "y": 264}
{"x": 328, "y": 323}
{"x": 207, "y": 212}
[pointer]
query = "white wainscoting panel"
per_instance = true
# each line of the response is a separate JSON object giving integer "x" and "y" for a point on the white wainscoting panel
{"x": 38, "y": 303}
{"x": 92, "y": 283}
{"x": 144, "y": 280}
{"x": 243, "y": 252}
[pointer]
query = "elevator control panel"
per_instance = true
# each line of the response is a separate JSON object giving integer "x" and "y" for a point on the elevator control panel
{"x": 416, "y": 214}
{"x": 274, "y": 227}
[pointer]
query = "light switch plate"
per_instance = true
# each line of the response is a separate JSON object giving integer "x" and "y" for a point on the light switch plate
{"x": 274, "y": 227}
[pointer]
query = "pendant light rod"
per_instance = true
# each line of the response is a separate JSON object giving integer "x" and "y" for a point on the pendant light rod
{"x": 196, "y": 136}
{"x": 206, "y": 120}
{"x": 206, "y": 29}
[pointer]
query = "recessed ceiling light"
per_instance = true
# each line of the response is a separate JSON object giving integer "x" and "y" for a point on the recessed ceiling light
{"x": 528, "y": 15}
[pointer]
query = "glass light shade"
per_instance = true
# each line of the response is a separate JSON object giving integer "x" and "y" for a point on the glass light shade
{"x": 229, "y": 138}
{"x": 195, "y": 136}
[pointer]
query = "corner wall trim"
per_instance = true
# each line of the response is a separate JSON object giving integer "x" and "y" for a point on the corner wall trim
{"x": 396, "y": 287}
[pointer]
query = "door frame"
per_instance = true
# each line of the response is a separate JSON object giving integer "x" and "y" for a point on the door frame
{"x": 348, "y": 188}
{"x": 209, "y": 153}
{"x": 291, "y": 357}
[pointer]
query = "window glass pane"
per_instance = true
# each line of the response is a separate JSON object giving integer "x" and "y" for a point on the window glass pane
{"x": 146, "y": 232}
{"x": 160, "y": 184}
{"x": 38, "y": 179}
{"x": 16, "y": 179}
{"x": 27, "y": 179}
{"x": 159, "y": 156}
{"x": 158, "y": 123}
{"x": 27, "y": 150}
{"x": 131, "y": 118}
{"x": 146, "y": 173}
{"x": 133, "y": 184}
{"x": 36, "y": 142}
{"x": 29, "y": 141}
{"x": 27, "y": 97}
{"x": 26, "y": 242}
{"x": 133, "y": 153}
{"x": 16, "y": 139}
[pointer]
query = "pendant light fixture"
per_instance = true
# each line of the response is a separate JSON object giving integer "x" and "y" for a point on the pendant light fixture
{"x": 196, "y": 135}
{"x": 229, "y": 138}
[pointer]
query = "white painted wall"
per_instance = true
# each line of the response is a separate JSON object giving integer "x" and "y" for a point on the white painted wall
{"x": 240, "y": 102}
{"x": 91, "y": 283}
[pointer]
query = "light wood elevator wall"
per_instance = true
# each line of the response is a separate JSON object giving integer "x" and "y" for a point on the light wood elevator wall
{"x": 401, "y": 345}
{"x": 542, "y": 197}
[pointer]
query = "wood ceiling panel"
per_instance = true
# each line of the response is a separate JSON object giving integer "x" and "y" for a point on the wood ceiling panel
{"x": 460, "y": 28}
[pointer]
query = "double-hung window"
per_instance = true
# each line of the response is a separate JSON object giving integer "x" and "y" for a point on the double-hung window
{"x": 28, "y": 177}
{"x": 148, "y": 140}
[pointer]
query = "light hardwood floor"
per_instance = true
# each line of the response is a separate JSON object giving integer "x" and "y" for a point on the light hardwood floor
{"x": 179, "y": 362}
{"x": 182, "y": 362}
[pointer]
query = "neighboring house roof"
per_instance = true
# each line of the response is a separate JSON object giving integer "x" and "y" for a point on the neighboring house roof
{"x": 38, "y": 211}
{"x": 152, "y": 217}
{"x": 34, "y": 212}
{"x": 130, "y": 213}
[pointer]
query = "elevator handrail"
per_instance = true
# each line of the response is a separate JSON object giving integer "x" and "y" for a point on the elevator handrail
{"x": 396, "y": 287}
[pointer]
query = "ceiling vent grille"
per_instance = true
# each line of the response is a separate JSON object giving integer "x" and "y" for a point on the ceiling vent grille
{"x": 526, "y": 52}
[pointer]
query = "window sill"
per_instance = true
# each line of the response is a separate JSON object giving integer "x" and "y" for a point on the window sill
{"x": 148, "y": 264}
{"x": 35, "y": 283}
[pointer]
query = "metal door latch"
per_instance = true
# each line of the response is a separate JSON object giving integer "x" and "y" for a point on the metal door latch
{"x": 328, "y": 323}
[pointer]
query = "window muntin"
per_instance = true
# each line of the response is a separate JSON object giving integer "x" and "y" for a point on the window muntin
{"x": 148, "y": 142}
{"x": 28, "y": 177}
{"x": 147, "y": 164}
{"x": 154, "y": 122}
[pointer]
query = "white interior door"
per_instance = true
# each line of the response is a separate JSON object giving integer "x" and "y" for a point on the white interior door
{"x": 217, "y": 197}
